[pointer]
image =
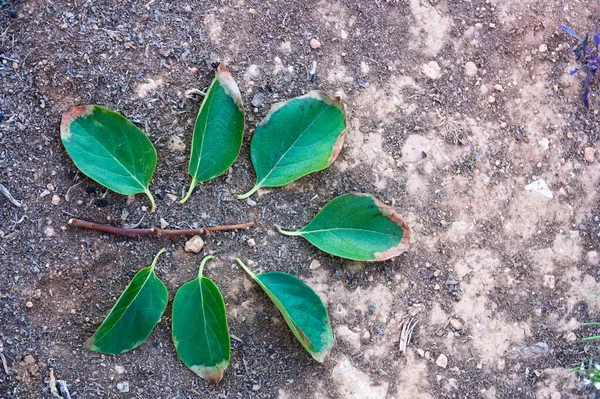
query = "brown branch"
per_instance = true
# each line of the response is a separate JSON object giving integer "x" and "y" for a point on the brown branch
{"x": 121, "y": 231}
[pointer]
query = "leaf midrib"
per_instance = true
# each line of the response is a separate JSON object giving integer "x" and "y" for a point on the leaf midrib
{"x": 345, "y": 228}
{"x": 123, "y": 314}
{"x": 195, "y": 176}
{"x": 204, "y": 317}
{"x": 290, "y": 147}
{"x": 143, "y": 186}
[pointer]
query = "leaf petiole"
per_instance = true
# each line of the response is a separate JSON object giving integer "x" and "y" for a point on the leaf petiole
{"x": 249, "y": 193}
{"x": 286, "y": 232}
{"x": 153, "y": 265}
{"x": 239, "y": 261}
{"x": 206, "y": 259}
{"x": 149, "y": 194}
{"x": 190, "y": 191}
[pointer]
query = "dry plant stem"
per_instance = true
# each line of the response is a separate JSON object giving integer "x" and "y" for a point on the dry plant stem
{"x": 121, "y": 231}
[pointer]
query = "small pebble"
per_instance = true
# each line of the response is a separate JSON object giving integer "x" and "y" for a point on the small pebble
{"x": 442, "y": 361}
{"x": 314, "y": 264}
{"x": 589, "y": 154}
{"x": 470, "y": 69}
{"x": 163, "y": 223}
{"x": 29, "y": 304}
{"x": 172, "y": 197}
{"x": 123, "y": 386}
{"x": 119, "y": 369}
{"x": 543, "y": 48}
{"x": 258, "y": 99}
{"x": 499, "y": 88}
{"x": 456, "y": 324}
{"x": 432, "y": 70}
{"x": 44, "y": 193}
{"x": 315, "y": 44}
{"x": 593, "y": 258}
{"x": 55, "y": 199}
{"x": 251, "y": 242}
{"x": 491, "y": 99}
{"x": 194, "y": 244}
{"x": 255, "y": 387}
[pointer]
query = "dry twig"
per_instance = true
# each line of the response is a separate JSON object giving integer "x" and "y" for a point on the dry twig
{"x": 127, "y": 232}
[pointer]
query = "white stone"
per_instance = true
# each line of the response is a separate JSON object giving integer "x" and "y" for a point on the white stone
{"x": 456, "y": 324}
{"x": 55, "y": 199}
{"x": 432, "y": 70}
{"x": 194, "y": 244}
{"x": 442, "y": 361}
{"x": 314, "y": 264}
{"x": 315, "y": 44}
{"x": 470, "y": 69}
{"x": 540, "y": 187}
{"x": 123, "y": 386}
{"x": 589, "y": 154}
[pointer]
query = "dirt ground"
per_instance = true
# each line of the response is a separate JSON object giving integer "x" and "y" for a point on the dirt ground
{"x": 455, "y": 107}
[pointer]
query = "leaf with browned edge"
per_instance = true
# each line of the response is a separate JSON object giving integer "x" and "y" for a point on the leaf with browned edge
{"x": 358, "y": 227}
{"x": 297, "y": 137}
{"x": 200, "y": 330}
{"x": 109, "y": 149}
{"x": 218, "y": 131}
{"x": 301, "y": 308}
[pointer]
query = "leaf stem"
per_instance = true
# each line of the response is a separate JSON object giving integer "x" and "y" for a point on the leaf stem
{"x": 286, "y": 232}
{"x": 190, "y": 191}
{"x": 249, "y": 193}
{"x": 162, "y": 251}
{"x": 239, "y": 261}
{"x": 122, "y": 231}
{"x": 206, "y": 259}
{"x": 149, "y": 194}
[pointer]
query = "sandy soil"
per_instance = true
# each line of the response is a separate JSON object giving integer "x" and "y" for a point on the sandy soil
{"x": 455, "y": 107}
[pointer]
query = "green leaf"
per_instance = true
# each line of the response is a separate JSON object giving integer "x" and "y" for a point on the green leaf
{"x": 109, "y": 149}
{"x": 358, "y": 227}
{"x": 135, "y": 314}
{"x": 297, "y": 137}
{"x": 200, "y": 331}
{"x": 301, "y": 308}
{"x": 218, "y": 132}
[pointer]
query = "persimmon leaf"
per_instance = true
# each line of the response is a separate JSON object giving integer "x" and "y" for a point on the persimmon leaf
{"x": 134, "y": 316}
{"x": 109, "y": 149}
{"x": 301, "y": 308}
{"x": 218, "y": 131}
{"x": 358, "y": 227}
{"x": 297, "y": 137}
{"x": 200, "y": 330}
